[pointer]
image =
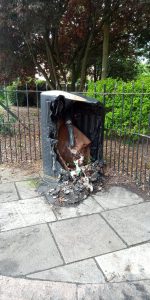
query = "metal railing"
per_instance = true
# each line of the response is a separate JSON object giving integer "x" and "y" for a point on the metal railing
{"x": 127, "y": 139}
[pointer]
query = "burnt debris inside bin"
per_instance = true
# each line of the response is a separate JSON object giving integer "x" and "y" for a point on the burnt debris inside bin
{"x": 72, "y": 139}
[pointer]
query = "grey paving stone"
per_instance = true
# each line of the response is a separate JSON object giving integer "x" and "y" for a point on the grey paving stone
{"x": 45, "y": 186}
{"x": 87, "y": 207}
{"x": 85, "y": 237}
{"x": 85, "y": 271}
{"x": 27, "y": 189}
{"x": 117, "y": 197}
{"x": 8, "y": 192}
{"x": 129, "y": 264}
{"x": 132, "y": 223}
{"x": 21, "y": 289}
{"x": 24, "y": 213}
{"x": 27, "y": 250}
{"x": 115, "y": 291}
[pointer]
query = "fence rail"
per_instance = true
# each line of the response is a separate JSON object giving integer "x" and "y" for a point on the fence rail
{"x": 127, "y": 131}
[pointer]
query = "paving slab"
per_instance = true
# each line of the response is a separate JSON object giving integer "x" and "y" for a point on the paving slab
{"x": 8, "y": 192}
{"x": 117, "y": 197}
{"x": 24, "y": 213}
{"x": 115, "y": 291}
{"x": 129, "y": 264}
{"x": 28, "y": 189}
{"x": 21, "y": 289}
{"x": 87, "y": 207}
{"x": 27, "y": 250}
{"x": 85, "y": 237}
{"x": 132, "y": 222}
{"x": 85, "y": 271}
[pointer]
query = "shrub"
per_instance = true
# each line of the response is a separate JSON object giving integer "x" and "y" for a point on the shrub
{"x": 1, "y": 95}
{"x": 6, "y": 127}
{"x": 127, "y": 104}
{"x": 20, "y": 97}
{"x": 4, "y": 97}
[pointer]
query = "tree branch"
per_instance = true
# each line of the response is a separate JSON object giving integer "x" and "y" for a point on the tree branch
{"x": 51, "y": 58}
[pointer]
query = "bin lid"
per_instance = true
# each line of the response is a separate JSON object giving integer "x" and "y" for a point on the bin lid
{"x": 70, "y": 96}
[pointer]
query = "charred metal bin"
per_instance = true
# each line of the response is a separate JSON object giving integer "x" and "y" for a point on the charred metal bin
{"x": 70, "y": 121}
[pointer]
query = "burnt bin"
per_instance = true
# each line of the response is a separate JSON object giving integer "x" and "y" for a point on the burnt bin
{"x": 86, "y": 114}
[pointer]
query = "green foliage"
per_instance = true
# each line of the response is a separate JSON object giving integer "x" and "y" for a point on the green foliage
{"x": 2, "y": 97}
{"x": 143, "y": 70}
{"x": 127, "y": 104}
{"x": 41, "y": 84}
{"x": 24, "y": 88}
{"x": 123, "y": 67}
{"x": 6, "y": 127}
{"x": 11, "y": 93}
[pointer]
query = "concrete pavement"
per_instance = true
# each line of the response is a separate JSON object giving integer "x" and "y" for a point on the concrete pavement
{"x": 99, "y": 249}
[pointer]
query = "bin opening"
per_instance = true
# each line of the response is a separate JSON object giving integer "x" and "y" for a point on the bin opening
{"x": 72, "y": 139}
{"x": 72, "y": 146}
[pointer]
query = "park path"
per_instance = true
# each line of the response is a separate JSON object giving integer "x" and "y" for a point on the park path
{"x": 99, "y": 249}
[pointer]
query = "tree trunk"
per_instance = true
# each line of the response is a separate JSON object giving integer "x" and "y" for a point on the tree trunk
{"x": 58, "y": 57}
{"x": 105, "y": 51}
{"x": 40, "y": 69}
{"x": 95, "y": 73}
{"x": 73, "y": 78}
{"x": 84, "y": 62}
{"x": 50, "y": 59}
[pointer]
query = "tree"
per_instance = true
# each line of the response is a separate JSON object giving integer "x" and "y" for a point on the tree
{"x": 63, "y": 39}
{"x": 14, "y": 58}
{"x": 128, "y": 24}
{"x": 34, "y": 26}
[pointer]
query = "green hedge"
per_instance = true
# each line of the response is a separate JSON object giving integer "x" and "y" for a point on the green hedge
{"x": 21, "y": 96}
{"x": 5, "y": 126}
{"x": 127, "y": 105}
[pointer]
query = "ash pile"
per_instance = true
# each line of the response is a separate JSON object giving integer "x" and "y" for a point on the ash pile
{"x": 76, "y": 185}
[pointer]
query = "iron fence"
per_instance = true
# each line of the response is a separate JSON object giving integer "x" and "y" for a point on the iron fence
{"x": 127, "y": 135}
